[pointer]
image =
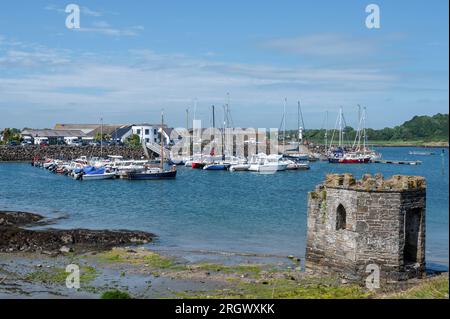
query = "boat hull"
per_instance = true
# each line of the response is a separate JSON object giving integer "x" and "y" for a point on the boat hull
{"x": 354, "y": 161}
{"x": 198, "y": 165}
{"x": 96, "y": 177}
{"x": 216, "y": 167}
{"x": 152, "y": 176}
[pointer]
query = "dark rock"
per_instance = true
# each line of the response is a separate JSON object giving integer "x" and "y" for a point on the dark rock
{"x": 51, "y": 241}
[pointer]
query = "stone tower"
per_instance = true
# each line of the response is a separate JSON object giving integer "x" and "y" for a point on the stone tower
{"x": 355, "y": 223}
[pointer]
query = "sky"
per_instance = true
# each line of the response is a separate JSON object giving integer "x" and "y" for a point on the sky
{"x": 131, "y": 60}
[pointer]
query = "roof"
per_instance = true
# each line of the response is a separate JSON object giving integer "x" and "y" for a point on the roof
{"x": 86, "y": 128}
{"x": 105, "y": 129}
{"x": 121, "y": 131}
{"x": 53, "y": 133}
{"x": 152, "y": 125}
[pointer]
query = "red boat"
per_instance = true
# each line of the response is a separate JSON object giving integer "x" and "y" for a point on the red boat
{"x": 198, "y": 165}
{"x": 354, "y": 158}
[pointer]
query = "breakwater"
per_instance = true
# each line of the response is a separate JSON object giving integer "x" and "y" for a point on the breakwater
{"x": 65, "y": 152}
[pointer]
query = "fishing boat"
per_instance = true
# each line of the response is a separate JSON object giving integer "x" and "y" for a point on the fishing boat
{"x": 155, "y": 173}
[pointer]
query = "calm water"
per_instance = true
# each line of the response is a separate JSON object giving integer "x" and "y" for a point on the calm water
{"x": 215, "y": 211}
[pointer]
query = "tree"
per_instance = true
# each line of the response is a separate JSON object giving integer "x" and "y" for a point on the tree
{"x": 133, "y": 140}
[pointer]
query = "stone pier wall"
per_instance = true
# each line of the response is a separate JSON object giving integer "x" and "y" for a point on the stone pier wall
{"x": 27, "y": 153}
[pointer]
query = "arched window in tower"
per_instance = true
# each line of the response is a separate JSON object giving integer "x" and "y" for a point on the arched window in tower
{"x": 341, "y": 217}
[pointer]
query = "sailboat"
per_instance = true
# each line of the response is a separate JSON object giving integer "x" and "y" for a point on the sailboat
{"x": 358, "y": 154}
{"x": 152, "y": 173}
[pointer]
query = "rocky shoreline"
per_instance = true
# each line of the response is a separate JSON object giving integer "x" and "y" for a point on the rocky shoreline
{"x": 15, "y": 238}
{"x": 65, "y": 152}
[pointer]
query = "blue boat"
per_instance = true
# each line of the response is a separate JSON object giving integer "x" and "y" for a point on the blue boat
{"x": 336, "y": 155}
{"x": 216, "y": 167}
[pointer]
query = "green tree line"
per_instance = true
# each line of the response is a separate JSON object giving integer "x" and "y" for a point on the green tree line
{"x": 419, "y": 128}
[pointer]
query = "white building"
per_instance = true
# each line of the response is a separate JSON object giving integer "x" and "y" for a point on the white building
{"x": 150, "y": 133}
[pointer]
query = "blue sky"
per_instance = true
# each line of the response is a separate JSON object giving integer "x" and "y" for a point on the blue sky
{"x": 130, "y": 59}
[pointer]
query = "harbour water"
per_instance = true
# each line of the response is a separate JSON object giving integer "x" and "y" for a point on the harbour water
{"x": 219, "y": 211}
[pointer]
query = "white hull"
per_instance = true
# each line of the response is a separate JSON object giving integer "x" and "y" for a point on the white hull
{"x": 268, "y": 167}
{"x": 239, "y": 167}
{"x": 93, "y": 177}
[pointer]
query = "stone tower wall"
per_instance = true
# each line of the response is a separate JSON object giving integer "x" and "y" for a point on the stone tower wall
{"x": 374, "y": 230}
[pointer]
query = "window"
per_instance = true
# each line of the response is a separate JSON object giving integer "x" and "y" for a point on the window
{"x": 138, "y": 131}
{"x": 147, "y": 131}
{"x": 155, "y": 131}
{"x": 147, "y": 140}
{"x": 341, "y": 218}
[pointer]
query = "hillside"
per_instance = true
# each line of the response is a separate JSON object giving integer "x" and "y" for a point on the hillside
{"x": 419, "y": 130}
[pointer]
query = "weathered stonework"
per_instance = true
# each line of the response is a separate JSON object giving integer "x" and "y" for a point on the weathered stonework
{"x": 353, "y": 223}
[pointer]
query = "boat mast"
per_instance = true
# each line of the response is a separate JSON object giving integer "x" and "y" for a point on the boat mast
{"x": 340, "y": 127}
{"x": 284, "y": 122}
{"x": 187, "y": 119}
{"x": 364, "y": 128}
{"x": 326, "y": 131}
{"x": 101, "y": 137}
{"x": 298, "y": 127}
{"x": 162, "y": 142}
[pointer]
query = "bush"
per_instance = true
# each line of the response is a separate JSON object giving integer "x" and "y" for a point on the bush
{"x": 115, "y": 294}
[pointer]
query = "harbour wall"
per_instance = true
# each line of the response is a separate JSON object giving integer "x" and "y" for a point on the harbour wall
{"x": 27, "y": 153}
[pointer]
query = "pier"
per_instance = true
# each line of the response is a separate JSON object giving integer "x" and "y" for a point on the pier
{"x": 397, "y": 162}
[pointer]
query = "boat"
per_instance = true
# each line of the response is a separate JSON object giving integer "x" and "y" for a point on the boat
{"x": 295, "y": 165}
{"x": 239, "y": 167}
{"x": 198, "y": 165}
{"x": 98, "y": 174}
{"x": 151, "y": 172}
{"x": 354, "y": 158}
{"x": 217, "y": 167}
{"x": 267, "y": 163}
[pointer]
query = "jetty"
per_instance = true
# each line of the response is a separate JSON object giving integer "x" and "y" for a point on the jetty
{"x": 379, "y": 161}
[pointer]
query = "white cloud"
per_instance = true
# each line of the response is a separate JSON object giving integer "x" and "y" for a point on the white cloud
{"x": 84, "y": 10}
{"x": 323, "y": 45}
{"x": 104, "y": 28}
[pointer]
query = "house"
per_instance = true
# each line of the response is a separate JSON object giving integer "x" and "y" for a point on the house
{"x": 150, "y": 133}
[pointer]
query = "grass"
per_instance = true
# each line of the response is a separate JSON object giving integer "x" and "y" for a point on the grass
{"x": 283, "y": 289}
{"x": 250, "y": 269}
{"x": 433, "y": 288}
{"x": 57, "y": 275}
{"x": 139, "y": 257}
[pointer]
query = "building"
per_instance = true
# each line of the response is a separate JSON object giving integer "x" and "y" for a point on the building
{"x": 370, "y": 224}
{"x": 150, "y": 133}
{"x": 121, "y": 134}
{"x": 50, "y": 136}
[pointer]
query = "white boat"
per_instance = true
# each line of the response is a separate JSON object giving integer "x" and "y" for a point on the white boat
{"x": 291, "y": 165}
{"x": 92, "y": 177}
{"x": 267, "y": 163}
{"x": 239, "y": 167}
